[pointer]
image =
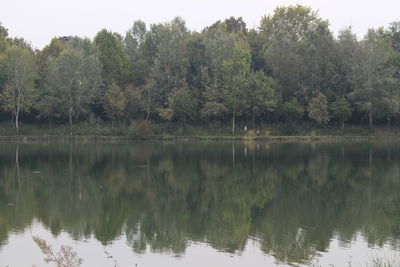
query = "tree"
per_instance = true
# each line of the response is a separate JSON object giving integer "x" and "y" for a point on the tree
{"x": 3, "y": 38}
{"x": 284, "y": 32}
{"x": 134, "y": 44}
{"x": 114, "y": 102}
{"x": 262, "y": 95}
{"x": 318, "y": 109}
{"x": 236, "y": 25}
{"x": 165, "y": 51}
{"x": 185, "y": 105}
{"x": 341, "y": 110}
{"x": 319, "y": 61}
{"x": 47, "y": 104}
{"x": 373, "y": 74}
{"x": 347, "y": 54}
{"x": 296, "y": 20}
{"x": 75, "y": 78}
{"x": 112, "y": 57}
{"x": 394, "y": 33}
{"x": 292, "y": 110}
{"x": 236, "y": 74}
{"x": 19, "y": 93}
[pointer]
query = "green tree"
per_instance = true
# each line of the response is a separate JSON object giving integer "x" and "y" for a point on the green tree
{"x": 134, "y": 44}
{"x": 318, "y": 109}
{"x": 112, "y": 57}
{"x": 19, "y": 93}
{"x": 347, "y": 55}
{"x": 373, "y": 74}
{"x": 284, "y": 32}
{"x": 236, "y": 80}
{"x": 394, "y": 33}
{"x": 185, "y": 106}
{"x": 296, "y": 20}
{"x": 341, "y": 110}
{"x": 262, "y": 95}
{"x": 47, "y": 104}
{"x": 114, "y": 102}
{"x": 319, "y": 61}
{"x": 292, "y": 110}
{"x": 74, "y": 78}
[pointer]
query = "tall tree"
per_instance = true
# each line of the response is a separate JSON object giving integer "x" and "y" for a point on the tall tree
{"x": 75, "y": 78}
{"x": 262, "y": 96}
{"x": 284, "y": 32}
{"x": 47, "y": 104}
{"x": 165, "y": 52}
{"x": 236, "y": 76}
{"x": 19, "y": 93}
{"x": 373, "y": 74}
{"x": 319, "y": 61}
{"x": 112, "y": 57}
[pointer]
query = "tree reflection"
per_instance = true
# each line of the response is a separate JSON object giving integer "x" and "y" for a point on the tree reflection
{"x": 293, "y": 198}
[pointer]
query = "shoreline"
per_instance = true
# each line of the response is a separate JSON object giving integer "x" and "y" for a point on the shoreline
{"x": 121, "y": 139}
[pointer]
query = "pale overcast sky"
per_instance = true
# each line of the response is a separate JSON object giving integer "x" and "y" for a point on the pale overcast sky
{"x": 40, "y": 20}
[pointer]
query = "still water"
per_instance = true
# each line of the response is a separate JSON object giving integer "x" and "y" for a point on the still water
{"x": 202, "y": 204}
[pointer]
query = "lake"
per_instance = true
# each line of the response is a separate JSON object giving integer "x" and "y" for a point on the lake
{"x": 150, "y": 204}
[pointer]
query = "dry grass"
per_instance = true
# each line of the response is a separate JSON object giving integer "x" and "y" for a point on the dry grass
{"x": 65, "y": 257}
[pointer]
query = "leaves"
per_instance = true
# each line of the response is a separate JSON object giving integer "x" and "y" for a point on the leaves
{"x": 318, "y": 109}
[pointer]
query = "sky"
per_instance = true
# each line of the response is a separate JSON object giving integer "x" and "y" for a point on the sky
{"x": 38, "y": 21}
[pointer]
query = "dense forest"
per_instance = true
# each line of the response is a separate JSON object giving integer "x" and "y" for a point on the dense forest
{"x": 290, "y": 69}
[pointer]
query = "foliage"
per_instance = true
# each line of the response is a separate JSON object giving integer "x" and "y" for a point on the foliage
{"x": 168, "y": 74}
{"x": 318, "y": 109}
{"x": 292, "y": 110}
{"x": 341, "y": 109}
{"x": 19, "y": 93}
{"x": 185, "y": 106}
{"x": 114, "y": 102}
{"x": 74, "y": 78}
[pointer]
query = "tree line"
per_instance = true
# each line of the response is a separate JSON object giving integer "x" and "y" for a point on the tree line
{"x": 291, "y": 68}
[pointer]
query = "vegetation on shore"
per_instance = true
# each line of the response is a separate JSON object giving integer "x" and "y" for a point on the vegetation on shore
{"x": 291, "y": 69}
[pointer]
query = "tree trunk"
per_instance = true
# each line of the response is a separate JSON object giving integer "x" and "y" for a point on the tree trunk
{"x": 342, "y": 124}
{"x": 16, "y": 123}
{"x": 233, "y": 123}
{"x": 70, "y": 124}
{"x": 49, "y": 122}
{"x": 148, "y": 113}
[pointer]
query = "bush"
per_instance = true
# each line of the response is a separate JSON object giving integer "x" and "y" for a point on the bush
{"x": 140, "y": 128}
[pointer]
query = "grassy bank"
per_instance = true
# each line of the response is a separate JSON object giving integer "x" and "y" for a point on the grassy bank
{"x": 178, "y": 132}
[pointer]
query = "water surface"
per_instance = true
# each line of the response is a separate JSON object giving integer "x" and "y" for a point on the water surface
{"x": 202, "y": 204}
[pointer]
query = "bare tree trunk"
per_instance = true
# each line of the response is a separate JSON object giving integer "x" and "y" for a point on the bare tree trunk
{"x": 16, "y": 123}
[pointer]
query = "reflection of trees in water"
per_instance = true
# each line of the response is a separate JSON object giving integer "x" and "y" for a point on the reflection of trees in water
{"x": 294, "y": 198}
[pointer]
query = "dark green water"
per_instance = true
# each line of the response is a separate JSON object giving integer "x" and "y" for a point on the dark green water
{"x": 202, "y": 204}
